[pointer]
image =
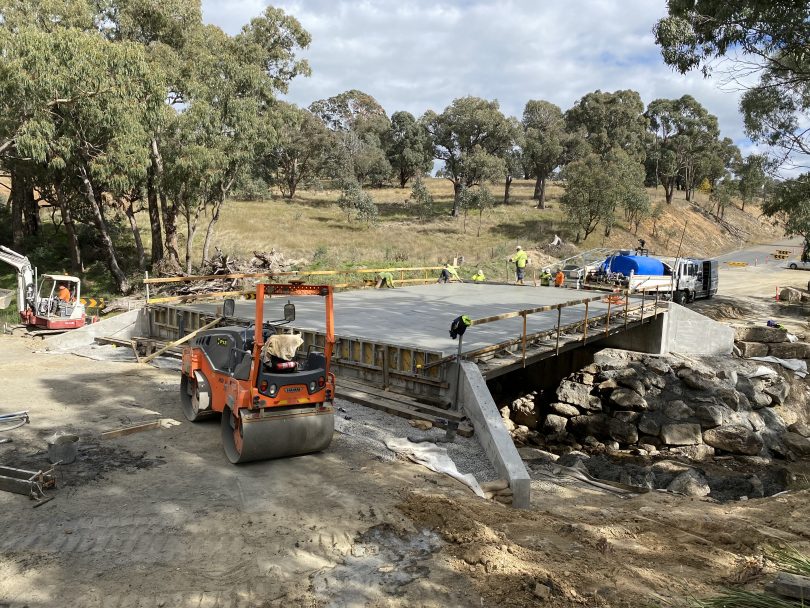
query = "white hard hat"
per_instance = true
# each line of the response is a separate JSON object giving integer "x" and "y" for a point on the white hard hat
{"x": 518, "y": 248}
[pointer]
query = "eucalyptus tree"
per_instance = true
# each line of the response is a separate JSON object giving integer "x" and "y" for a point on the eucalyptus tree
{"x": 544, "y": 143}
{"x": 408, "y": 147}
{"x": 470, "y": 136}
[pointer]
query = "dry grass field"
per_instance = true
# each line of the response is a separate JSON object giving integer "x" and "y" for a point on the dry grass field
{"x": 312, "y": 227}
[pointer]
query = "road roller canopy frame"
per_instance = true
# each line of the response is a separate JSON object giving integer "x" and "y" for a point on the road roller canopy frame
{"x": 270, "y": 407}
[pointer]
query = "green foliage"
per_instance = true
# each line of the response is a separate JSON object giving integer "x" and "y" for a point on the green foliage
{"x": 790, "y": 203}
{"x": 753, "y": 173}
{"x": 544, "y": 141}
{"x": 343, "y": 111}
{"x": 756, "y": 37}
{"x": 684, "y": 135}
{"x": 299, "y": 151}
{"x": 470, "y": 136}
{"x": 610, "y": 120}
{"x": 408, "y": 147}
{"x": 358, "y": 204}
{"x": 595, "y": 185}
{"x": 421, "y": 198}
{"x": 722, "y": 195}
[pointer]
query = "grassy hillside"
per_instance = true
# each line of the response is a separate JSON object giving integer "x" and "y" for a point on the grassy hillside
{"x": 311, "y": 226}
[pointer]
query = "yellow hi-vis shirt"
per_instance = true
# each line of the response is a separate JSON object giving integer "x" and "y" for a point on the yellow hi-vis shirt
{"x": 478, "y": 277}
{"x": 520, "y": 259}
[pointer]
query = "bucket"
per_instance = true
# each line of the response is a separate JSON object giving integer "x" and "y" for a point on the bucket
{"x": 62, "y": 448}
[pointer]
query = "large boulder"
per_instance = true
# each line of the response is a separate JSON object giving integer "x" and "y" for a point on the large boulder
{"x": 801, "y": 428}
{"x": 778, "y": 391}
{"x": 632, "y": 383}
{"x": 735, "y": 439}
{"x": 678, "y": 410}
{"x": 752, "y": 349}
{"x": 524, "y": 412}
{"x": 627, "y": 399}
{"x": 611, "y": 358}
{"x": 690, "y": 483}
{"x": 555, "y": 424}
{"x": 649, "y": 425}
{"x": 681, "y": 434}
{"x": 623, "y": 432}
{"x": 696, "y": 380}
{"x": 790, "y": 350}
{"x": 760, "y": 333}
{"x": 790, "y": 295}
{"x": 656, "y": 365}
{"x": 710, "y": 416}
{"x": 754, "y": 391}
{"x": 694, "y": 452}
{"x": 574, "y": 393}
{"x": 590, "y": 424}
{"x": 796, "y": 443}
{"x": 564, "y": 409}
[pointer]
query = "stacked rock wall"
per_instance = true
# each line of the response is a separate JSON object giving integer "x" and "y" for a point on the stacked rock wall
{"x": 688, "y": 406}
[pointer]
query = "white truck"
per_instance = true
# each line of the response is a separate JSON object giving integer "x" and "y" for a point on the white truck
{"x": 683, "y": 280}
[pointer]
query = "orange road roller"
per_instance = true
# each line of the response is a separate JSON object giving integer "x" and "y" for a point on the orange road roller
{"x": 273, "y": 401}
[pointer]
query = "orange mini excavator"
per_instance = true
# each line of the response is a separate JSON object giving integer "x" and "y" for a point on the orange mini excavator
{"x": 272, "y": 405}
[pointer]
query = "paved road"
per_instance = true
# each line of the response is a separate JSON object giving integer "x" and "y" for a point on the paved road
{"x": 761, "y": 254}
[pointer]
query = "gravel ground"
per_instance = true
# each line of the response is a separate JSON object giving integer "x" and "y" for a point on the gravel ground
{"x": 369, "y": 428}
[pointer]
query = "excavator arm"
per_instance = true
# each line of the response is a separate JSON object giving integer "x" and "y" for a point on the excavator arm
{"x": 26, "y": 287}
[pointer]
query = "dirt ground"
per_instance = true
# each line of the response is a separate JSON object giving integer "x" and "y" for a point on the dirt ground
{"x": 160, "y": 518}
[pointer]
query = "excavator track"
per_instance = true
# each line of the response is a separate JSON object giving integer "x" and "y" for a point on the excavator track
{"x": 268, "y": 434}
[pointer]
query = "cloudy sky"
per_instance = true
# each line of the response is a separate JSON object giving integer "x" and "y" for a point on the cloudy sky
{"x": 416, "y": 55}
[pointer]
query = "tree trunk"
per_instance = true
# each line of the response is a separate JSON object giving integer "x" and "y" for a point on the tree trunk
{"x": 537, "y": 183}
{"x": 154, "y": 216}
{"x": 136, "y": 234}
{"x": 480, "y": 215}
{"x": 506, "y": 189}
{"x": 456, "y": 198}
{"x": 209, "y": 232}
{"x": 403, "y": 178}
{"x": 31, "y": 209}
{"x": 669, "y": 190}
{"x": 169, "y": 212}
{"x": 17, "y": 231}
{"x": 70, "y": 229}
{"x": 541, "y": 199}
{"x": 98, "y": 219}
{"x": 191, "y": 230}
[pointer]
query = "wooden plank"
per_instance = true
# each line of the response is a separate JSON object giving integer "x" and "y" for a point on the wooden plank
{"x": 291, "y": 273}
{"x": 401, "y": 399}
{"x": 200, "y": 296}
{"x": 185, "y": 338}
{"x": 390, "y": 407}
{"x": 137, "y": 428}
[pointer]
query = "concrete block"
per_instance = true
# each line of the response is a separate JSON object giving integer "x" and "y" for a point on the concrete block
{"x": 792, "y": 585}
{"x": 492, "y": 434}
{"x": 123, "y": 326}
{"x": 760, "y": 333}
{"x": 752, "y": 349}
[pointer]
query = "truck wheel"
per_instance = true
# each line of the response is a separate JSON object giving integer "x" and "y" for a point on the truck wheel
{"x": 793, "y": 266}
{"x": 690, "y": 297}
{"x": 679, "y": 297}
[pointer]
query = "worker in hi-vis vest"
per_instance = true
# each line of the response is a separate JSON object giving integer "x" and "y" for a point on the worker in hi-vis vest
{"x": 479, "y": 277}
{"x": 520, "y": 259}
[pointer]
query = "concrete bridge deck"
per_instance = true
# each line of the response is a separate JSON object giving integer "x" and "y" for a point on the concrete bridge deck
{"x": 419, "y": 317}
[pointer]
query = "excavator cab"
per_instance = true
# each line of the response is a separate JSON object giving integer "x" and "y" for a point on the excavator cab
{"x": 59, "y": 296}
{"x": 273, "y": 401}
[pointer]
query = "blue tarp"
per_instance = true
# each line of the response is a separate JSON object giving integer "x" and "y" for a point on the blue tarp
{"x": 637, "y": 264}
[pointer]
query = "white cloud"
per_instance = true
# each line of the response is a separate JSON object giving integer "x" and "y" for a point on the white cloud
{"x": 422, "y": 54}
